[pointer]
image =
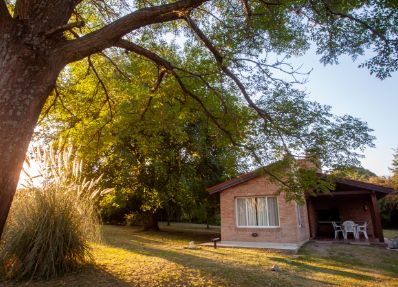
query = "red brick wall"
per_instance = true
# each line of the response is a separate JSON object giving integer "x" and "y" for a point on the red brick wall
{"x": 350, "y": 208}
{"x": 288, "y": 232}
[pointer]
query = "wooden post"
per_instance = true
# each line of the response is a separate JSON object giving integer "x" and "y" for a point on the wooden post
{"x": 375, "y": 212}
{"x": 309, "y": 209}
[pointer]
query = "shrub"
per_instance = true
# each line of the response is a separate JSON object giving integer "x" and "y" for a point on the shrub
{"x": 50, "y": 226}
{"x": 133, "y": 219}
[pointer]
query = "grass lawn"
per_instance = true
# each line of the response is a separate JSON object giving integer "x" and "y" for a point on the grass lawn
{"x": 390, "y": 233}
{"x": 130, "y": 257}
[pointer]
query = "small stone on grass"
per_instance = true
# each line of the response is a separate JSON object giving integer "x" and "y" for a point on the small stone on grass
{"x": 276, "y": 268}
{"x": 192, "y": 245}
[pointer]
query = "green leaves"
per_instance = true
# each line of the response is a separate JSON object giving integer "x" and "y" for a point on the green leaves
{"x": 162, "y": 132}
{"x": 158, "y": 146}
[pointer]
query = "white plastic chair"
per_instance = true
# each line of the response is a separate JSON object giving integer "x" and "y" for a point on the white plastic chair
{"x": 337, "y": 229}
{"x": 349, "y": 227}
{"x": 362, "y": 229}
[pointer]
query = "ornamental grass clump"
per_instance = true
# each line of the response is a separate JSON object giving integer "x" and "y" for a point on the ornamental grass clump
{"x": 52, "y": 220}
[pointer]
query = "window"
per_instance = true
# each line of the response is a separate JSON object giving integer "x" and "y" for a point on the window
{"x": 257, "y": 212}
{"x": 299, "y": 215}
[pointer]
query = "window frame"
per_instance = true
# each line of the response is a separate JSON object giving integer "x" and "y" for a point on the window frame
{"x": 257, "y": 226}
{"x": 299, "y": 215}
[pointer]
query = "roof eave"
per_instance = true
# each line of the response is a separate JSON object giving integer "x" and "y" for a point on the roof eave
{"x": 253, "y": 174}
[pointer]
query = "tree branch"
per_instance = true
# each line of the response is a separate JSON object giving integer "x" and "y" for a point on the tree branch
{"x": 373, "y": 30}
{"x": 161, "y": 74}
{"x": 148, "y": 104}
{"x": 47, "y": 111}
{"x": 220, "y": 61}
{"x": 64, "y": 28}
{"x": 119, "y": 70}
{"x": 108, "y": 99}
{"x": 170, "y": 68}
{"x": 211, "y": 88}
{"x": 107, "y": 36}
{"x": 247, "y": 8}
{"x": 62, "y": 103}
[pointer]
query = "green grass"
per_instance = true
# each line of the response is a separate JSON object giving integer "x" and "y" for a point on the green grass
{"x": 390, "y": 233}
{"x": 130, "y": 257}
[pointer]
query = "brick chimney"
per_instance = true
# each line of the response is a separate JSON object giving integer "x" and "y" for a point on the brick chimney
{"x": 310, "y": 161}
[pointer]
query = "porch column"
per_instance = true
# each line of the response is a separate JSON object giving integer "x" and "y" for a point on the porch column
{"x": 375, "y": 212}
{"x": 311, "y": 220}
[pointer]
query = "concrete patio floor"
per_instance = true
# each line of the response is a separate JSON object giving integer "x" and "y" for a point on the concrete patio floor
{"x": 259, "y": 245}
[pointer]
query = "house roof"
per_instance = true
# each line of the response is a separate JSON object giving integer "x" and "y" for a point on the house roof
{"x": 234, "y": 181}
{"x": 363, "y": 185}
{"x": 260, "y": 171}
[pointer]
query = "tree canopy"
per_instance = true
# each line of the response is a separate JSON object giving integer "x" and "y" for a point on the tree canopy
{"x": 353, "y": 172}
{"x": 211, "y": 50}
{"x": 160, "y": 149}
{"x": 140, "y": 107}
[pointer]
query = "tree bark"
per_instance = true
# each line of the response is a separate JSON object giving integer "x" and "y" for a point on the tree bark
{"x": 170, "y": 213}
{"x": 28, "y": 76}
{"x": 151, "y": 222}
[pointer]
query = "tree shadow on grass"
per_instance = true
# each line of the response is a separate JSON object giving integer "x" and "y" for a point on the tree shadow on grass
{"x": 129, "y": 235}
{"x": 308, "y": 267}
{"x": 88, "y": 276}
{"x": 189, "y": 235}
{"x": 231, "y": 273}
{"x": 228, "y": 274}
{"x": 364, "y": 258}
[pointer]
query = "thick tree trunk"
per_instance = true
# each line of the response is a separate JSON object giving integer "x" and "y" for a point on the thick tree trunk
{"x": 151, "y": 223}
{"x": 170, "y": 213}
{"x": 27, "y": 76}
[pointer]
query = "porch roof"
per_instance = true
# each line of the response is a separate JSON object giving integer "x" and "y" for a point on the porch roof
{"x": 363, "y": 185}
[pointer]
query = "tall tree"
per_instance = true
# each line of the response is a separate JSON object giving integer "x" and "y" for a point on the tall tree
{"x": 394, "y": 167}
{"x": 160, "y": 150}
{"x": 394, "y": 177}
{"x": 40, "y": 37}
{"x": 353, "y": 172}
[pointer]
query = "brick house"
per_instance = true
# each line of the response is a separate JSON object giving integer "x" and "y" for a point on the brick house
{"x": 252, "y": 212}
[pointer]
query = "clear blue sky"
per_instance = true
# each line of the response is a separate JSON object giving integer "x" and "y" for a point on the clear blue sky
{"x": 352, "y": 90}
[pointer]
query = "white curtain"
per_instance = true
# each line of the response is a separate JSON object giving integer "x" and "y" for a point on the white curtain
{"x": 260, "y": 211}
{"x": 273, "y": 211}
{"x": 241, "y": 206}
{"x": 262, "y": 214}
{"x": 251, "y": 211}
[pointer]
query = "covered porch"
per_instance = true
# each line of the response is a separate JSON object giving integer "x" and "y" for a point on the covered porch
{"x": 351, "y": 200}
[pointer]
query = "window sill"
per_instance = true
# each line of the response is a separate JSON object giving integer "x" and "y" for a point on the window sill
{"x": 257, "y": 228}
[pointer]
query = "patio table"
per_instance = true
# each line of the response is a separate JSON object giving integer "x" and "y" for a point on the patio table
{"x": 350, "y": 226}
